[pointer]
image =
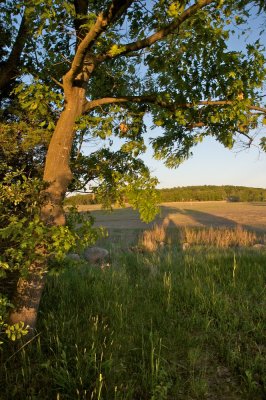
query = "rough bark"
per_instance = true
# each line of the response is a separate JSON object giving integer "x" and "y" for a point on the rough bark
{"x": 27, "y": 298}
{"x": 58, "y": 175}
{"x": 57, "y": 172}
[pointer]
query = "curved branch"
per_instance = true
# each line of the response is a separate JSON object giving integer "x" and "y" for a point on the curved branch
{"x": 257, "y": 108}
{"x": 155, "y": 99}
{"x": 115, "y": 10}
{"x": 90, "y": 105}
{"x": 159, "y": 35}
{"x": 250, "y": 138}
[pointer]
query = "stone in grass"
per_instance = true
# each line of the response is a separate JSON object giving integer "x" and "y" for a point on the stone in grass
{"x": 185, "y": 246}
{"x": 73, "y": 256}
{"x": 259, "y": 246}
{"x": 96, "y": 255}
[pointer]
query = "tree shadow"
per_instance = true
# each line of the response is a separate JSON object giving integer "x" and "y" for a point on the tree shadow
{"x": 125, "y": 228}
{"x": 258, "y": 204}
{"x": 208, "y": 220}
{"x": 170, "y": 229}
{"x": 178, "y": 217}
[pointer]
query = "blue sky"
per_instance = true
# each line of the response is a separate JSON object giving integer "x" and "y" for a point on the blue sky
{"x": 211, "y": 163}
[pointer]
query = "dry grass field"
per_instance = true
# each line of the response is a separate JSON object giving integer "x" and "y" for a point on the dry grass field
{"x": 251, "y": 216}
{"x": 126, "y": 222}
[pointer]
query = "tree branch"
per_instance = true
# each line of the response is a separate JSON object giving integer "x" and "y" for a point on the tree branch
{"x": 9, "y": 68}
{"x": 155, "y": 99}
{"x": 256, "y": 108}
{"x": 81, "y": 10}
{"x": 57, "y": 82}
{"x": 159, "y": 35}
{"x": 250, "y": 138}
{"x": 115, "y": 10}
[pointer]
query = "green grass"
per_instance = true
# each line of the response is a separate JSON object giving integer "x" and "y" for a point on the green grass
{"x": 165, "y": 325}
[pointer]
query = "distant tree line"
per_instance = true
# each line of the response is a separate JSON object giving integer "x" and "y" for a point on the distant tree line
{"x": 190, "y": 193}
{"x": 213, "y": 193}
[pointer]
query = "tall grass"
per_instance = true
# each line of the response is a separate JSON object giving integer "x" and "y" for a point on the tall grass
{"x": 221, "y": 237}
{"x": 152, "y": 239}
{"x": 162, "y": 325}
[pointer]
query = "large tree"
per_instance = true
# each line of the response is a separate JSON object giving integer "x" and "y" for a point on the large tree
{"x": 79, "y": 70}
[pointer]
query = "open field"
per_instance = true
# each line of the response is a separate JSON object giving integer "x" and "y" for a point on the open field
{"x": 251, "y": 216}
{"x": 123, "y": 224}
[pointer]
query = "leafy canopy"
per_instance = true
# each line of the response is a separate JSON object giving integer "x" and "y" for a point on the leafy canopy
{"x": 169, "y": 59}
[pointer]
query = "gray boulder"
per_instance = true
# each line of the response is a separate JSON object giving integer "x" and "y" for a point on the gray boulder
{"x": 73, "y": 256}
{"x": 96, "y": 255}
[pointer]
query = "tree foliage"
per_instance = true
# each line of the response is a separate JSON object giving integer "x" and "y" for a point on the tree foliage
{"x": 203, "y": 89}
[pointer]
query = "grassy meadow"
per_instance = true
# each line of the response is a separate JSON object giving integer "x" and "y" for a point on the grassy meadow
{"x": 178, "y": 314}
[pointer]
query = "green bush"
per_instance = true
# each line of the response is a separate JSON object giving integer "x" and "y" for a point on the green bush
{"x": 24, "y": 238}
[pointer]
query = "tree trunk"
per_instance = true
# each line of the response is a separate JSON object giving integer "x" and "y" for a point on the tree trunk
{"x": 27, "y": 298}
{"x": 57, "y": 172}
{"x": 58, "y": 175}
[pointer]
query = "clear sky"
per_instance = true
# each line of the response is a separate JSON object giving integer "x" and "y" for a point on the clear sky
{"x": 211, "y": 163}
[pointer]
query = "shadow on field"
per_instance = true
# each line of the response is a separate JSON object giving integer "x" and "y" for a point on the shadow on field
{"x": 175, "y": 225}
{"x": 177, "y": 218}
{"x": 125, "y": 227}
{"x": 207, "y": 219}
{"x": 180, "y": 217}
{"x": 174, "y": 219}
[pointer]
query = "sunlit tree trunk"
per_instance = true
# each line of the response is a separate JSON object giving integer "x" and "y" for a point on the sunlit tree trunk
{"x": 57, "y": 175}
{"x": 57, "y": 171}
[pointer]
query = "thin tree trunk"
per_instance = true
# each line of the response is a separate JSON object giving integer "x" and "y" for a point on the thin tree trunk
{"x": 58, "y": 175}
{"x": 10, "y": 67}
